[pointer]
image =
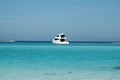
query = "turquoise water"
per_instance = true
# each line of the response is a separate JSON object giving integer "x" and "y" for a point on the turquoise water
{"x": 46, "y": 61}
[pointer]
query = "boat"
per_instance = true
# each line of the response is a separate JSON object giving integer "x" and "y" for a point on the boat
{"x": 60, "y": 39}
{"x": 7, "y": 41}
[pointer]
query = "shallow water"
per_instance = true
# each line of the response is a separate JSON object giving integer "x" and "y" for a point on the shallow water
{"x": 46, "y": 61}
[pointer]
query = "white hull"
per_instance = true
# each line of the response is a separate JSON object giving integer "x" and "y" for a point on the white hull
{"x": 58, "y": 42}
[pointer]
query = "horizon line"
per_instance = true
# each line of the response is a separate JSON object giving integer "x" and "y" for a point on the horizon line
{"x": 69, "y": 41}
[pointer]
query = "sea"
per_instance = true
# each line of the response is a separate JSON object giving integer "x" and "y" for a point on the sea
{"x": 46, "y": 61}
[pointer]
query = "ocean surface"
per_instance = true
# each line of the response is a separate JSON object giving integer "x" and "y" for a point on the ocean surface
{"x": 47, "y": 61}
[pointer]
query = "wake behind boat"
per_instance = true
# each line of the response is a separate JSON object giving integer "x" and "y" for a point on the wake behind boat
{"x": 60, "y": 39}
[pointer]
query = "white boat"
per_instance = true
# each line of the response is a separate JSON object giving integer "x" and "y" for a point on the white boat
{"x": 60, "y": 39}
{"x": 7, "y": 41}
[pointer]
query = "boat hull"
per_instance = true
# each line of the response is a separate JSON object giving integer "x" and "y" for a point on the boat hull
{"x": 58, "y": 42}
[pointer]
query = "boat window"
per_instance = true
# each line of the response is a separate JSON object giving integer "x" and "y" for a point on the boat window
{"x": 56, "y": 39}
{"x": 62, "y": 40}
{"x": 62, "y": 35}
{"x": 57, "y": 35}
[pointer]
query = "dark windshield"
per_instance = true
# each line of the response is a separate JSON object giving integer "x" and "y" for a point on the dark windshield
{"x": 56, "y": 39}
{"x": 62, "y": 35}
{"x": 62, "y": 40}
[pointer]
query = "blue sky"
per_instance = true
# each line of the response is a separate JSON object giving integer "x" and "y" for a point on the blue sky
{"x": 81, "y": 20}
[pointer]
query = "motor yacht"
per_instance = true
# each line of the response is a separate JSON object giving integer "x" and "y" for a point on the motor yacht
{"x": 60, "y": 39}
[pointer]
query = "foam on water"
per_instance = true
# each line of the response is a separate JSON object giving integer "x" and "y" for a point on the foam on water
{"x": 45, "y": 61}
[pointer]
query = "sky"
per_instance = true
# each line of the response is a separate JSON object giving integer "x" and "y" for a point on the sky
{"x": 41, "y": 20}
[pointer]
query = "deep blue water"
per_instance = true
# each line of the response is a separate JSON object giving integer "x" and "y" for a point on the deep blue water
{"x": 47, "y": 61}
